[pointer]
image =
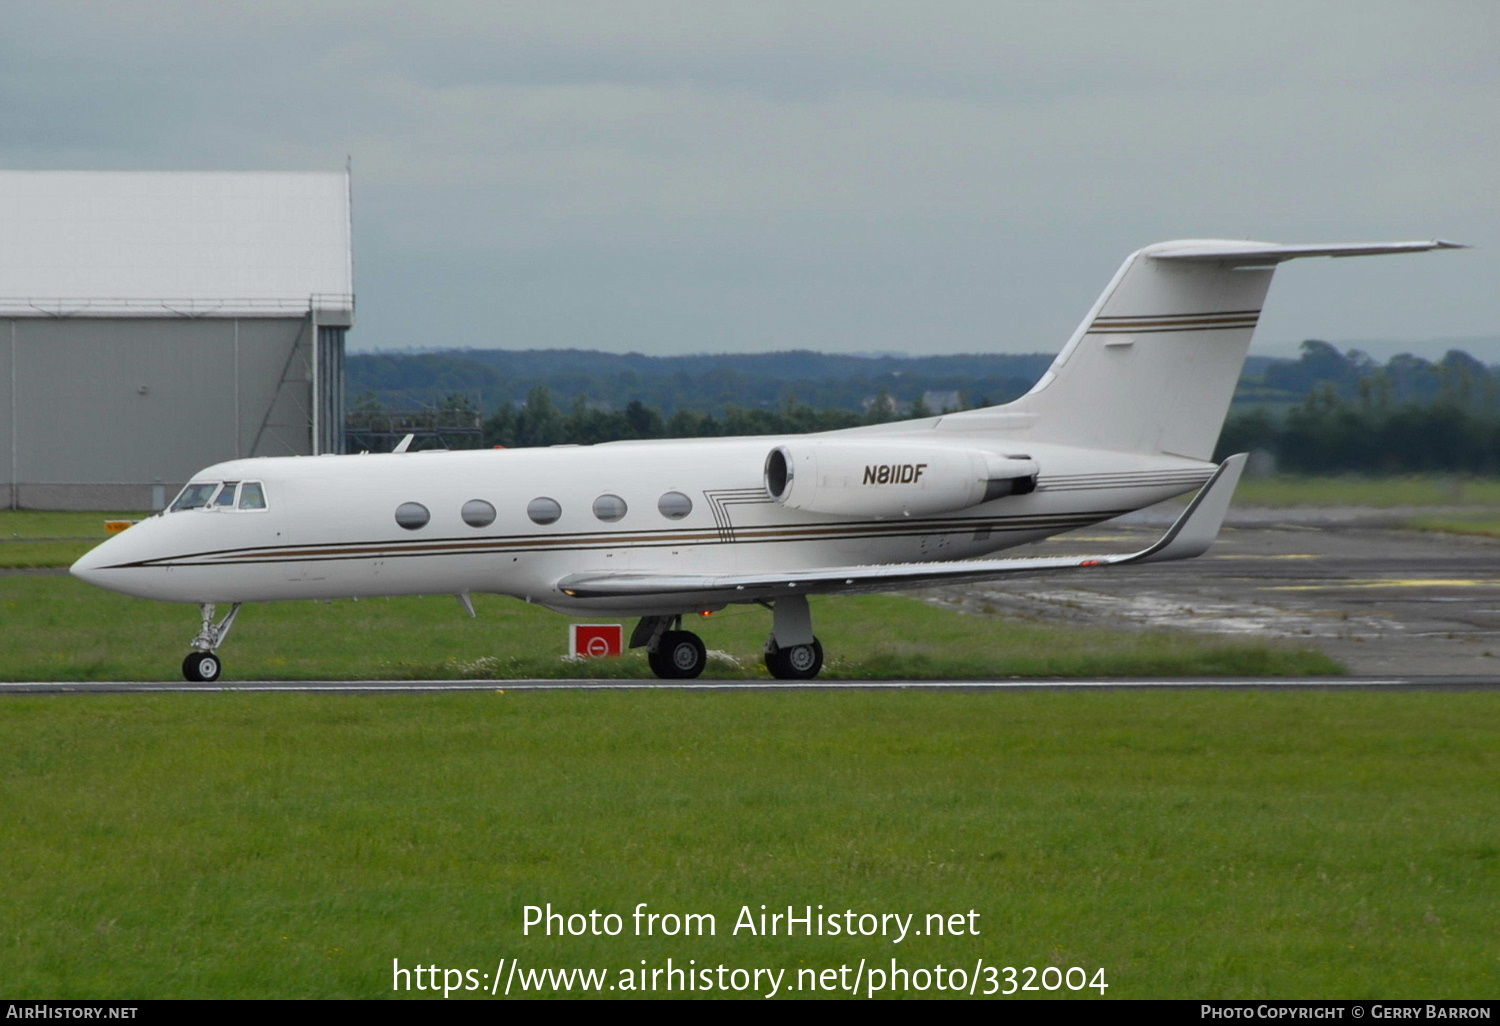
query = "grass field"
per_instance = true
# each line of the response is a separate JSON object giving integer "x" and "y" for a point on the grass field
{"x": 1191, "y": 844}
{"x": 39, "y": 539}
{"x": 1481, "y": 527}
{"x": 53, "y": 627}
{"x": 1380, "y": 492}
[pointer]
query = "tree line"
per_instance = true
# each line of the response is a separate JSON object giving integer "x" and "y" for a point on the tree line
{"x": 1407, "y": 416}
{"x": 1325, "y": 434}
{"x": 1327, "y": 411}
{"x": 705, "y": 383}
{"x": 541, "y": 421}
{"x": 1328, "y": 433}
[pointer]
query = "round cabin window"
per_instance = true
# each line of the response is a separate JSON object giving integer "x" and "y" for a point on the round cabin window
{"x": 609, "y": 508}
{"x": 412, "y": 515}
{"x": 674, "y": 505}
{"x": 478, "y": 513}
{"x": 543, "y": 510}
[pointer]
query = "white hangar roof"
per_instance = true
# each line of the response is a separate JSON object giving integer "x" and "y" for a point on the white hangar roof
{"x": 184, "y": 243}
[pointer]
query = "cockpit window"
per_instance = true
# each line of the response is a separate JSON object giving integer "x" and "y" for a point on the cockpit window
{"x": 220, "y": 495}
{"x": 252, "y": 495}
{"x": 195, "y": 495}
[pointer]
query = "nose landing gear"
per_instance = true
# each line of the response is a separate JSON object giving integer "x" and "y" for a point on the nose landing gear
{"x": 202, "y": 665}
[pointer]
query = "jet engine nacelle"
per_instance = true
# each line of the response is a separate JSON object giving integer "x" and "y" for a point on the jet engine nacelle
{"x": 888, "y": 479}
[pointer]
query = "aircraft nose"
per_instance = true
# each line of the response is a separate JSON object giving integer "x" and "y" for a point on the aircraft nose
{"x": 89, "y": 565}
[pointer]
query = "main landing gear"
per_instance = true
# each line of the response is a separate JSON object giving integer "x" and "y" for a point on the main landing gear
{"x": 792, "y": 653}
{"x": 202, "y": 665}
{"x": 674, "y": 654}
{"x": 795, "y": 662}
{"x": 679, "y": 655}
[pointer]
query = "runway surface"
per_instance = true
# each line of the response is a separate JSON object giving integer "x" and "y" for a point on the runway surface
{"x": 1384, "y": 602}
{"x": 366, "y": 687}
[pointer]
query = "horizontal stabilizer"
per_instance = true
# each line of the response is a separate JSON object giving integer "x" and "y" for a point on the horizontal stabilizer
{"x": 1192, "y": 534}
{"x": 1261, "y": 253}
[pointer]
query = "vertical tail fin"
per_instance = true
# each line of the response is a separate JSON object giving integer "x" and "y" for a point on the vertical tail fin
{"x": 1153, "y": 366}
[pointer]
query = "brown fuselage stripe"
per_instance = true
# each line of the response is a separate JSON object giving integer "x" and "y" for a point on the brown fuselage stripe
{"x": 1174, "y": 322}
{"x": 1205, "y": 315}
{"x": 576, "y": 542}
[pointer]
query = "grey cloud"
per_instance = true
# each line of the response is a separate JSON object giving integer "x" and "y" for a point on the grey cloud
{"x": 684, "y": 176}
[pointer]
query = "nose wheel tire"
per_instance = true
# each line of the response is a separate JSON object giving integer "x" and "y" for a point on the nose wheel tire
{"x": 201, "y": 667}
{"x": 796, "y": 662}
{"x": 679, "y": 655}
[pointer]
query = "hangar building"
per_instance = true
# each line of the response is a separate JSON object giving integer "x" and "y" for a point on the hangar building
{"x": 152, "y": 323}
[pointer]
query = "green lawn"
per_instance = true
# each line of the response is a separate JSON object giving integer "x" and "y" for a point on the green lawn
{"x": 53, "y": 627}
{"x": 1482, "y": 527}
{"x": 31, "y": 538}
{"x": 1192, "y": 844}
{"x": 1357, "y": 490}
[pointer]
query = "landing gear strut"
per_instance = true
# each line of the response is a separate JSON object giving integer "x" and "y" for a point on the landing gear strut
{"x": 792, "y": 653}
{"x": 202, "y": 665}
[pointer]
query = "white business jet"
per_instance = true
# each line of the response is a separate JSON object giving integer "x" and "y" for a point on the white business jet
{"x": 1127, "y": 415}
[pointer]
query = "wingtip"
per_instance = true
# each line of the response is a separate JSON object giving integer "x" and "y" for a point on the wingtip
{"x": 1198, "y": 527}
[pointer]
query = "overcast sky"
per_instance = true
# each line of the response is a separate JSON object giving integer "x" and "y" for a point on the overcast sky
{"x": 926, "y": 177}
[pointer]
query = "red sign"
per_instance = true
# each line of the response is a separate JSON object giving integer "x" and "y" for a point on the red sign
{"x": 595, "y": 640}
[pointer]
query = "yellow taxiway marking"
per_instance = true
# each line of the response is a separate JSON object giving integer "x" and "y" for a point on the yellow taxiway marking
{"x": 1252, "y": 555}
{"x": 1392, "y": 582}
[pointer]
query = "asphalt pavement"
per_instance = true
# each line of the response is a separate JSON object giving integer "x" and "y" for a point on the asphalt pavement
{"x": 1384, "y": 601}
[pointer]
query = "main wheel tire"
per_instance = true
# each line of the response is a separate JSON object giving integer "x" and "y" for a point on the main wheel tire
{"x": 796, "y": 662}
{"x": 202, "y": 667}
{"x": 679, "y": 655}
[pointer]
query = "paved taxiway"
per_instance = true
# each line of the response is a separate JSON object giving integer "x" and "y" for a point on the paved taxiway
{"x": 1382, "y": 601}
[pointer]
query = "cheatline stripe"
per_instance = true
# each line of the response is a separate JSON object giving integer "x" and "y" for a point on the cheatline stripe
{"x": 573, "y": 541}
{"x": 1140, "y": 319}
{"x": 344, "y": 551}
{"x": 1171, "y": 323}
{"x": 659, "y": 538}
{"x": 1088, "y": 485}
{"x": 1160, "y": 477}
{"x": 1110, "y": 481}
{"x": 665, "y": 536}
{"x": 1170, "y": 331}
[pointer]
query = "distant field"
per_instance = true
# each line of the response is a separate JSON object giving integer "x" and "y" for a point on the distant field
{"x": 1353, "y": 490}
{"x": 1189, "y": 844}
{"x": 53, "y": 627}
{"x": 38, "y": 539}
{"x": 1484, "y": 527}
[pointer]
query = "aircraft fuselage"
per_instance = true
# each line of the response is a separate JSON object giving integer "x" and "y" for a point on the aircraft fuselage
{"x": 329, "y": 527}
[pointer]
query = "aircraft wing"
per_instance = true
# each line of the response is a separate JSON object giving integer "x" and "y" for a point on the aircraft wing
{"x": 1191, "y": 535}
